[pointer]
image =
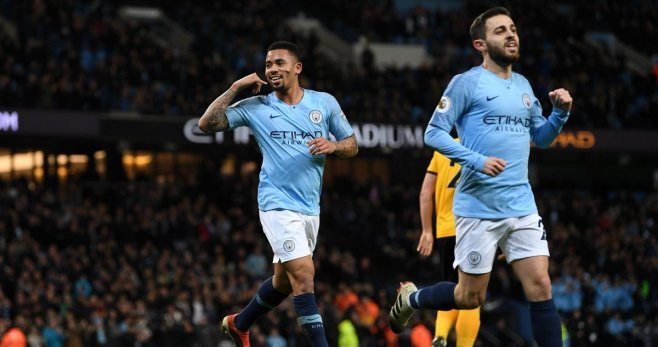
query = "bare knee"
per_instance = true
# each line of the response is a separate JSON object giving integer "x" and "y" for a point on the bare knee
{"x": 281, "y": 283}
{"x": 300, "y": 273}
{"x": 469, "y": 299}
{"x": 538, "y": 288}
{"x": 302, "y": 283}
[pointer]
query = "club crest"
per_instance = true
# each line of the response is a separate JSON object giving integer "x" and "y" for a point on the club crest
{"x": 474, "y": 257}
{"x": 315, "y": 116}
{"x": 526, "y": 101}
{"x": 289, "y": 245}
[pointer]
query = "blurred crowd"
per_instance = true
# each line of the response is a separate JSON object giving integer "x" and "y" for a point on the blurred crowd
{"x": 84, "y": 56}
{"x": 148, "y": 264}
{"x": 433, "y": 23}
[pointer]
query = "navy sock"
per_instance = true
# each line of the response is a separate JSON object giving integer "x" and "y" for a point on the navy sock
{"x": 545, "y": 323}
{"x": 440, "y": 296}
{"x": 309, "y": 318}
{"x": 264, "y": 301}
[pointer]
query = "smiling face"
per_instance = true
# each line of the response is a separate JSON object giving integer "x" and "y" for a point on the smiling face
{"x": 282, "y": 69}
{"x": 501, "y": 40}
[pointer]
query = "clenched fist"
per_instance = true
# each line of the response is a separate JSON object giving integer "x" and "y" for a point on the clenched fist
{"x": 560, "y": 98}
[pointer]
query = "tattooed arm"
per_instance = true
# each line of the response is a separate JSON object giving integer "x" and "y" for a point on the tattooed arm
{"x": 214, "y": 119}
{"x": 345, "y": 148}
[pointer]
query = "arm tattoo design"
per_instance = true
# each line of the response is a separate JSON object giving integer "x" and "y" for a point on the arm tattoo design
{"x": 217, "y": 120}
{"x": 347, "y": 147}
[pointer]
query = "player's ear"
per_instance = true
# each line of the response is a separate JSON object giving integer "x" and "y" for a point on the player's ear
{"x": 480, "y": 45}
{"x": 298, "y": 67}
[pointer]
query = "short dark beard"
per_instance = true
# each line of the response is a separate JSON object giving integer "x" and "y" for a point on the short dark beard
{"x": 499, "y": 57}
{"x": 271, "y": 85}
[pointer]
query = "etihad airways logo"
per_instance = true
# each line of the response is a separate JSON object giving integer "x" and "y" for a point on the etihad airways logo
{"x": 508, "y": 123}
{"x": 288, "y": 137}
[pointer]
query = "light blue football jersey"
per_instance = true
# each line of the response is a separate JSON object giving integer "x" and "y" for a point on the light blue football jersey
{"x": 494, "y": 117}
{"x": 290, "y": 177}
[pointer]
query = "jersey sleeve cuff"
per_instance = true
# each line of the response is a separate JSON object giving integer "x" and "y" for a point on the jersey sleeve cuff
{"x": 561, "y": 113}
{"x": 479, "y": 163}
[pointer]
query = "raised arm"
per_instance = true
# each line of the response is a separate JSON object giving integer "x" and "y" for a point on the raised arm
{"x": 543, "y": 130}
{"x": 214, "y": 119}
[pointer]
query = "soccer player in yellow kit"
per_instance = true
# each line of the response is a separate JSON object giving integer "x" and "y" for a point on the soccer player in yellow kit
{"x": 436, "y": 194}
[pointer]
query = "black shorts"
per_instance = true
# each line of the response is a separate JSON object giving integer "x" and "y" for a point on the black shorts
{"x": 446, "y": 247}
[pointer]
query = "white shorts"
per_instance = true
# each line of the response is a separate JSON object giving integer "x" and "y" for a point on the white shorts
{"x": 291, "y": 234}
{"x": 477, "y": 240}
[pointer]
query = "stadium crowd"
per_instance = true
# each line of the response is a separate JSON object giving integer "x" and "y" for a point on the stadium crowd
{"x": 147, "y": 264}
{"x": 76, "y": 55}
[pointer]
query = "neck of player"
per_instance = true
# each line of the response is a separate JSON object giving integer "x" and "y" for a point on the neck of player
{"x": 501, "y": 71}
{"x": 292, "y": 95}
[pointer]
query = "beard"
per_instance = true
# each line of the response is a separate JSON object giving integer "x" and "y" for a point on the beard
{"x": 501, "y": 57}
{"x": 280, "y": 86}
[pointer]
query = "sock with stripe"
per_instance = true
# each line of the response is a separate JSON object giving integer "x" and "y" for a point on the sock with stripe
{"x": 440, "y": 296}
{"x": 545, "y": 323}
{"x": 264, "y": 301}
{"x": 309, "y": 318}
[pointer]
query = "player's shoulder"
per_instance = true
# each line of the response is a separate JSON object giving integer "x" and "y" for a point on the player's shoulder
{"x": 320, "y": 96}
{"x": 467, "y": 79}
{"x": 474, "y": 72}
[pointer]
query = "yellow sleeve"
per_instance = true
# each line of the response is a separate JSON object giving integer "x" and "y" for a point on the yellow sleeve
{"x": 433, "y": 167}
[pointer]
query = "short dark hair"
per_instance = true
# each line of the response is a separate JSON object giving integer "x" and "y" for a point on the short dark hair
{"x": 288, "y": 46}
{"x": 478, "y": 31}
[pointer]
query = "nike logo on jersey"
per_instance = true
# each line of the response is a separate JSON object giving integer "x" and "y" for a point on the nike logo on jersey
{"x": 275, "y": 115}
{"x": 489, "y": 98}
